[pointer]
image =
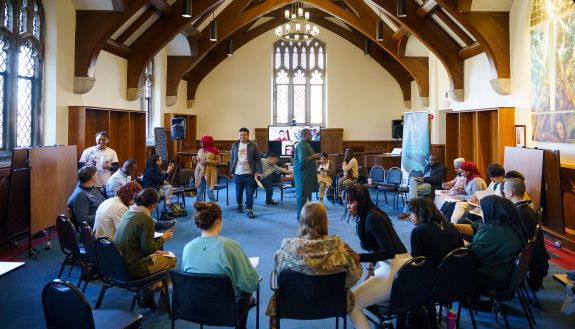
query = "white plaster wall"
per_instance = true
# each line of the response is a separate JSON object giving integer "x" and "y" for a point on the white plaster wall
{"x": 362, "y": 97}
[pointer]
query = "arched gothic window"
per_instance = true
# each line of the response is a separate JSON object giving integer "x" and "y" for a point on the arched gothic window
{"x": 299, "y": 82}
{"x": 21, "y": 72}
{"x": 147, "y": 101}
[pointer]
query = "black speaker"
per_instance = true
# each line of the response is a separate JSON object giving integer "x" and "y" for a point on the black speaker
{"x": 178, "y": 128}
{"x": 396, "y": 129}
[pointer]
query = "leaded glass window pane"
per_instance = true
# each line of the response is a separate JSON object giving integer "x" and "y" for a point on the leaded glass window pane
{"x": 299, "y": 83}
{"x": 147, "y": 104}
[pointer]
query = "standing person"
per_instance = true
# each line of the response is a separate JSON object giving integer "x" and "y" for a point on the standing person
{"x": 271, "y": 171}
{"x": 304, "y": 170}
{"x": 102, "y": 157}
{"x": 121, "y": 177}
{"x": 206, "y": 174}
{"x": 325, "y": 171}
{"x": 135, "y": 238}
{"x": 515, "y": 191}
{"x": 212, "y": 253}
{"x": 155, "y": 178}
{"x": 378, "y": 237}
{"x": 350, "y": 173}
{"x": 245, "y": 162}
{"x": 85, "y": 199}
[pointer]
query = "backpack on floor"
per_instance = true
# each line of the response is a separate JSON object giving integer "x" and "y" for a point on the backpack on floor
{"x": 178, "y": 209}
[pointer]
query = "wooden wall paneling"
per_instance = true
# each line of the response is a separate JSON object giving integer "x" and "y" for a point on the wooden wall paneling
{"x": 191, "y": 131}
{"x": 261, "y": 138}
{"x": 119, "y": 130}
{"x": 466, "y": 136}
{"x": 439, "y": 149}
{"x": 484, "y": 142}
{"x": 568, "y": 198}
{"x": 53, "y": 169}
{"x": 451, "y": 142}
{"x": 190, "y": 140}
{"x": 371, "y": 146}
{"x": 506, "y": 130}
{"x": 332, "y": 140}
{"x": 138, "y": 139}
{"x": 496, "y": 152}
{"x": 551, "y": 191}
{"x": 18, "y": 213}
{"x": 77, "y": 132}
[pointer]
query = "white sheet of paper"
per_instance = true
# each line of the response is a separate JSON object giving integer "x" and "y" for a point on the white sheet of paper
{"x": 259, "y": 183}
{"x": 158, "y": 235}
{"x": 254, "y": 261}
{"x": 483, "y": 193}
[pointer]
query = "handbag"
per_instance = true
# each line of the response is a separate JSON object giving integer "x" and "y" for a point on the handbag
{"x": 178, "y": 209}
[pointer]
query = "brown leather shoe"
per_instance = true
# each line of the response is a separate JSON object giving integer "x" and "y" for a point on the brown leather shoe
{"x": 404, "y": 215}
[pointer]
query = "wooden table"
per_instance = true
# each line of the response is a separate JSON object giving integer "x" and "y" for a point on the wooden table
{"x": 8, "y": 267}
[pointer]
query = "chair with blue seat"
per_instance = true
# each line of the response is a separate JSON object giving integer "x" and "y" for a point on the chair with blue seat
{"x": 65, "y": 307}
{"x": 74, "y": 253}
{"x": 377, "y": 176}
{"x": 392, "y": 183}
{"x": 403, "y": 190}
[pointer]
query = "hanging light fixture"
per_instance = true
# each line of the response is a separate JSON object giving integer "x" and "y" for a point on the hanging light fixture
{"x": 230, "y": 47}
{"x": 379, "y": 29}
{"x": 298, "y": 27}
{"x": 213, "y": 29}
{"x": 401, "y": 8}
{"x": 366, "y": 47}
{"x": 187, "y": 10}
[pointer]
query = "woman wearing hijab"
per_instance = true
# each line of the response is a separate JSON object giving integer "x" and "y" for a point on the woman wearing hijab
{"x": 206, "y": 173}
{"x": 496, "y": 242}
{"x": 473, "y": 183}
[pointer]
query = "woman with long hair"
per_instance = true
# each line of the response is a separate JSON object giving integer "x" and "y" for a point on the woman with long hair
{"x": 433, "y": 236}
{"x": 206, "y": 174}
{"x": 314, "y": 252}
{"x": 155, "y": 178}
{"x": 350, "y": 169}
{"x": 378, "y": 237}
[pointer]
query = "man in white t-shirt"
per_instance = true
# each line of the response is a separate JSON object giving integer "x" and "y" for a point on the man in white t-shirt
{"x": 102, "y": 157}
{"x": 245, "y": 163}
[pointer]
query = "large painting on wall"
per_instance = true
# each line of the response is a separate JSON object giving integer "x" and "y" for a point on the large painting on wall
{"x": 553, "y": 71}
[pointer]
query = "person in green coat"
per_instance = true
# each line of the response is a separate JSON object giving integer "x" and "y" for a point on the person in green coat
{"x": 304, "y": 170}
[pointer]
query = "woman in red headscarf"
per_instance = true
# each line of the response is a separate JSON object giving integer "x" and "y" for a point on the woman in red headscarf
{"x": 473, "y": 182}
{"x": 206, "y": 173}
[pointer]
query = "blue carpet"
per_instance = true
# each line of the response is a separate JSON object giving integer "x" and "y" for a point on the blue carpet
{"x": 20, "y": 305}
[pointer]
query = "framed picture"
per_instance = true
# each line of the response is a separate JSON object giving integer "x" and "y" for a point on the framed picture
{"x": 520, "y": 135}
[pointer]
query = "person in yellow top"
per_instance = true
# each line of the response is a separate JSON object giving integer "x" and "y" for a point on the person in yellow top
{"x": 206, "y": 173}
{"x": 350, "y": 173}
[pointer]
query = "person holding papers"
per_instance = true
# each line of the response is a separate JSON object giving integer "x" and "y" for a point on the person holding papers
{"x": 212, "y": 253}
{"x": 314, "y": 252}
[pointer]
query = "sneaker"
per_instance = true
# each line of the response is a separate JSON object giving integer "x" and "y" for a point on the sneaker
{"x": 272, "y": 203}
{"x": 251, "y": 214}
{"x": 164, "y": 224}
{"x": 240, "y": 208}
{"x": 404, "y": 215}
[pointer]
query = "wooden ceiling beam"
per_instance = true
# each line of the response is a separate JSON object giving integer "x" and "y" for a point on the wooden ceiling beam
{"x": 491, "y": 30}
{"x": 162, "y": 6}
{"x": 454, "y": 27}
{"x": 117, "y": 48}
{"x": 470, "y": 51}
{"x": 156, "y": 37}
{"x": 426, "y": 8}
{"x": 433, "y": 37}
{"x": 90, "y": 41}
{"x": 136, "y": 25}
{"x": 400, "y": 33}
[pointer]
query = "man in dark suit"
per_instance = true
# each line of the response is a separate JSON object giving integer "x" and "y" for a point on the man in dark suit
{"x": 434, "y": 174}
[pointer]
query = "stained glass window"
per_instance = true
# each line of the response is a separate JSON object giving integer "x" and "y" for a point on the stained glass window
{"x": 299, "y": 82}
{"x": 147, "y": 103}
{"x": 21, "y": 69}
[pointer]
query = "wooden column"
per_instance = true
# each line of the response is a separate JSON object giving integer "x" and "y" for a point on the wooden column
{"x": 261, "y": 138}
{"x": 332, "y": 140}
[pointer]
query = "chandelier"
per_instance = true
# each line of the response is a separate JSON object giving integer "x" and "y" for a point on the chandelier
{"x": 298, "y": 27}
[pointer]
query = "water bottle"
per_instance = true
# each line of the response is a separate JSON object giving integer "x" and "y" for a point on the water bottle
{"x": 451, "y": 319}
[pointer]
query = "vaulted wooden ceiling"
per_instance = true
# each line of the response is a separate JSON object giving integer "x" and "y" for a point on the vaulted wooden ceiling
{"x": 138, "y": 29}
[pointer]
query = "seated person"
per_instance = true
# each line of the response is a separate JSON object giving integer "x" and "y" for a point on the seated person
{"x": 314, "y": 252}
{"x": 497, "y": 175}
{"x": 473, "y": 183}
{"x": 85, "y": 199}
{"x": 456, "y": 185}
{"x": 135, "y": 238}
{"x": 350, "y": 173}
{"x": 102, "y": 157}
{"x": 325, "y": 171}
{"x": 155, "y": 178}
{"x": 212, "y": 253}
{"x": 270, "y": 173}
{"x": 515, "y": 191}
{"x": 516, "y": 174}
{"x": 110, "y": 212}
{"x": 433, "y": 236}
{"x": 434, "y": 174}
{"x": 496, "y": 242}
{"x": 121, "y": 177}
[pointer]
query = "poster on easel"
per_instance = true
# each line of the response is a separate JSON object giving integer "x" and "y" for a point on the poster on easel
{"x": 415, "y": 140}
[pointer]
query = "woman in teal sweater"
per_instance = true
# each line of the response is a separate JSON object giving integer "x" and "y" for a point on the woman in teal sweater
{"x": 212, "y": 253}
{"x": 496, "y": 242}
